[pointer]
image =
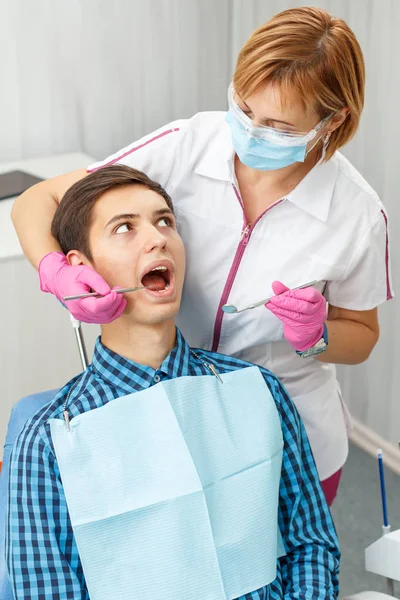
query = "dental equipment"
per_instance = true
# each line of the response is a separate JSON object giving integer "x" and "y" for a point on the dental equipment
{"x": 231, "y": 309}
{"x": 383, "y": 556}
{"x": 383, "y": 490}
{"x": 96, "y": 295}
{"x": 80, "y": 341}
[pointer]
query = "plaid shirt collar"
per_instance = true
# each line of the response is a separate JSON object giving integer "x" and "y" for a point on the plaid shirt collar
{"x": 127, "y": 375}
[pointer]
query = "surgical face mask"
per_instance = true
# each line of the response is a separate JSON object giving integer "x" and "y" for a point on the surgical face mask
{"x": 267, "y": 148}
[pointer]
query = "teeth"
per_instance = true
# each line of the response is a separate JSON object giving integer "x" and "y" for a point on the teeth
{"x": 160, "y": 268}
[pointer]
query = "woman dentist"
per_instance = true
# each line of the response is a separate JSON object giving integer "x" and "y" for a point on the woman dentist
{"x": 265, "y": 202}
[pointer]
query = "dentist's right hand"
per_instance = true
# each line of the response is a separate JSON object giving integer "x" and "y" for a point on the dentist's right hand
{"x": 60, "y": 278}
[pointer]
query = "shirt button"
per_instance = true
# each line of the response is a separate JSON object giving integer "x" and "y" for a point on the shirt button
{"x": 157, "y": 378}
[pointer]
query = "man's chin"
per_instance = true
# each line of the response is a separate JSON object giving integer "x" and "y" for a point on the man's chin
{"x": 153, "y": 314}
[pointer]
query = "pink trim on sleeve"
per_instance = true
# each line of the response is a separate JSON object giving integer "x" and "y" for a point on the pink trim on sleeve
{"x": 389, "y": 294}
{"x": 121, "y": 156}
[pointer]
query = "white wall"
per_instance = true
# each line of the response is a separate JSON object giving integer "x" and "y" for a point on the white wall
{"x": 93, "y": 75}
{"x": 97, "y": 74}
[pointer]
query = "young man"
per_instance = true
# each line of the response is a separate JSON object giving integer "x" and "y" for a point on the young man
{"x": 161, "y": 471}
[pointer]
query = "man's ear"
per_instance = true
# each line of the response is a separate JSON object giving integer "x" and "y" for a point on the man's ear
{"x": 74, "y": 257}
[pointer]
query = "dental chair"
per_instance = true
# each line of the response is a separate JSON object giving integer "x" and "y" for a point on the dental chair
{"x": 22, "y": 411}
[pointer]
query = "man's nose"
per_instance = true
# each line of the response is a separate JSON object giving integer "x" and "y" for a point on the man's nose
{"x": 154, "y": 239}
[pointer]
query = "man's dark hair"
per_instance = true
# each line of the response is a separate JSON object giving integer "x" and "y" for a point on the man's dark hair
{"x": 73, "y": 217}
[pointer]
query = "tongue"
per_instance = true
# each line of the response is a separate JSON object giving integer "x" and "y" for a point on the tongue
{"x": 156, "y": 281}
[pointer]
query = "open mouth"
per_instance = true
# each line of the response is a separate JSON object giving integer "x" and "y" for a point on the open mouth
{"x": 158, "y": 278}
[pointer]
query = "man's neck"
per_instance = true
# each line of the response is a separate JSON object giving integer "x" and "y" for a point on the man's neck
{"x": 147, "y": 345}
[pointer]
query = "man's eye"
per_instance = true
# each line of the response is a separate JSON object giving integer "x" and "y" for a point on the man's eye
{"x": 165, "y": 222}
{"x": 124, "y": 228}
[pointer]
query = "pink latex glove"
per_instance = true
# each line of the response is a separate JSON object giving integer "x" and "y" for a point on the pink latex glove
{"x": 302, "y": 312}
{"x": 58, "y": 277}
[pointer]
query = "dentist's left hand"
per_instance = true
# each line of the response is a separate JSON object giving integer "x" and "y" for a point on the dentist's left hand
{"x": 58, "y": 277}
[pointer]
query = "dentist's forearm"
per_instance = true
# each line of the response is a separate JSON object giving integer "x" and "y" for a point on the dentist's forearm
{"x": 32, "y": 215}
{"x": 33, "y": 212}
{"x": 349, "y": 342}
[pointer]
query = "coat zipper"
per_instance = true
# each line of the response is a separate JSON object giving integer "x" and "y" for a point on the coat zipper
{"x": 244, "y": 240}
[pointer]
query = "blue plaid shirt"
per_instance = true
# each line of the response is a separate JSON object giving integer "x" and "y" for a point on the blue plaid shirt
{"x": 42, "y": 555}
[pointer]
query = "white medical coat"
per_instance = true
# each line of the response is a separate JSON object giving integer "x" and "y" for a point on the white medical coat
{"x": 332, "y": 228}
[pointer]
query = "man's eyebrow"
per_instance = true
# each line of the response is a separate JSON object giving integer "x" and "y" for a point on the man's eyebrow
{"x": 163, "y": 211}
{"x": 133, "y": 216}
{"x": 127, "y": 216}
{"x": 266, "y": 120}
